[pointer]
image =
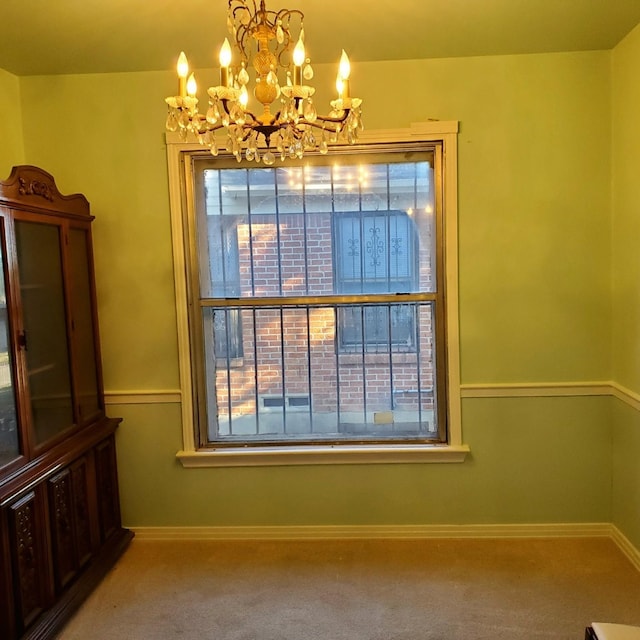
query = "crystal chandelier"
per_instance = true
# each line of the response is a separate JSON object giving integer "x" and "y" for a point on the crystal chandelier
{"x": 289, "y": 124}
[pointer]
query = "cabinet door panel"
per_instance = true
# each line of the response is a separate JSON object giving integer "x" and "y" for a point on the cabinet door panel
{"x": 45, "y": 324}
{"x": 81, "y": 511}
{"x": 107, "y": 485}
{"x": 70, "y": 522}
{"x": 27, "y": 530}
{"x": 7, "y": 617}
{"x": 84, "y": 331}
{"x": 65, "y": 563}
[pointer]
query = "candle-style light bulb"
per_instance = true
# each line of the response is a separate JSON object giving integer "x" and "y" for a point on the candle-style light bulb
{"x": 345, "y": 66}
{"x": 183, "y": 71}
{"x": 299, "y": 56}
{"x": 225, "y": 61}
{"x": 192, "y": 86}
{"x": 225, "y": 53}
{"x": 299, "y": 53}
{"x": 243, "y": 98}
{"x": 344, "y": 70}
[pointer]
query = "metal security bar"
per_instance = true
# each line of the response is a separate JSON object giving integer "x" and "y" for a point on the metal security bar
{"x": 294, "y": 384}
{"x": 320, "y": 297}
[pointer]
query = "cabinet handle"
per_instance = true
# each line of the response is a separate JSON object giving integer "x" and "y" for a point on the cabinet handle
{"x": 22, "y": 340}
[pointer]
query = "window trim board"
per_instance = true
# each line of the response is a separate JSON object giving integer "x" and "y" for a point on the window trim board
{"x": 318, "y": 454}
{"x": 181, "y": 195}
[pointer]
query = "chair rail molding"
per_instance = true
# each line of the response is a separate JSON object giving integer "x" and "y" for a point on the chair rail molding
{"x": 467, "y": 390}
{"x": 143, "y": 396}
{"x": 551, "y": 389}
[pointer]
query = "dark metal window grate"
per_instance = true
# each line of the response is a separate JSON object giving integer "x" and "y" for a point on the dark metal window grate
{"x": 319, "y": 305}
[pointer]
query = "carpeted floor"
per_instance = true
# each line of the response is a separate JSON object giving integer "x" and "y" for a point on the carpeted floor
{"x": 361, "y": 590}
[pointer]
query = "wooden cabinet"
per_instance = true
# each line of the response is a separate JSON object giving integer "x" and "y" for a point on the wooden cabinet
{"x": 60, "y": 528}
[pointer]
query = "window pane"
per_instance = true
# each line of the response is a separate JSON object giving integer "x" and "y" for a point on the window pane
{"x": 280, "y": 363}
{"x": 292, "y": 384}
{"x": 376, "y": 253}
{"x": 381, "y": 326}
{"x": 319, "y": 230}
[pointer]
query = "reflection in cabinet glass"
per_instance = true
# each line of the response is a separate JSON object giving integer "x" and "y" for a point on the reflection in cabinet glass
{"x": 45, "y": 330}
{"x": 9, "y": 441}
{"x": 83, "y": 330}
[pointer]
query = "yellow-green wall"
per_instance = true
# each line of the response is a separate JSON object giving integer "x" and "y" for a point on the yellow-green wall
{"x": 535, "y": 253}
{"x": 534, "y": 461}
{"x": 626, "y": 276}
{"x": 111, "y": 147}
{"x": 11, "y": 147}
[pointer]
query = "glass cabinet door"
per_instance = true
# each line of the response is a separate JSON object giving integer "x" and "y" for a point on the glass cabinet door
{"x": 9, "y": 440}
{"x": 84, "y": 337}
{"x": 45, "y": 328}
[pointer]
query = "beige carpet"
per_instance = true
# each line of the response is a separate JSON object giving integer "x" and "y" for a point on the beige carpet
{"x": 369, "y": 590}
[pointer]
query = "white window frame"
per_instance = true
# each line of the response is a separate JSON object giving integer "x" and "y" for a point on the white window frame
{"x": 181, "y": 198}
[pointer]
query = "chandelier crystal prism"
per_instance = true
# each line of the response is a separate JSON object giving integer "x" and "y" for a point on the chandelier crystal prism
{"x": 289, "y": 123}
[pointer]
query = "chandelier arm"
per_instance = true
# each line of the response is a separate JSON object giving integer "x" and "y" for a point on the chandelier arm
{"x": 240, "y": 44}
{"x": 322, "y": 125}
{"x": 237, "y": 28}
{"x": 209, "y": 127}
{"x": 238, "y": 6}
{"x": 246, "y": 132}
{"x": 330, "y": 120}
{"x": 250, "y": 114}
{"x": 243, "y": 32}
{"x": 323, "y": 121}
{"x": 285, "y": 15}
{"x": 241, "y": 35}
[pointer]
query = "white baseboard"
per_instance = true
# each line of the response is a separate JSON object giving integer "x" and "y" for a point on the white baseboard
{"x": 624, "y": 544}
{"x": 563, "y": 530}
{"x": 397, "y": 532}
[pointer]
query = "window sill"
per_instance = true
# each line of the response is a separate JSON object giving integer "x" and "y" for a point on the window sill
{"x": 312, "y": 455}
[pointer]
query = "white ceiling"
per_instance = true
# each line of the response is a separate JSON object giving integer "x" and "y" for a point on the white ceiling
{"x": 96, "y": 36}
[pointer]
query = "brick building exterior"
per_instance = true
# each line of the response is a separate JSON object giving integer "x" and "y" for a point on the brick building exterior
{"x": 304, "y": 368}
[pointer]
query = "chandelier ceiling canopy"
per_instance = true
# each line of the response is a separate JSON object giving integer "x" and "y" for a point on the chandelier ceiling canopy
{"x": 289, "y": 123}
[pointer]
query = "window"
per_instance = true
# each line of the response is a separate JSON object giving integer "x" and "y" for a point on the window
{"x": 316, "y": 292}
{"x": 376, "y": 251}
{"x": 220, "y": 257}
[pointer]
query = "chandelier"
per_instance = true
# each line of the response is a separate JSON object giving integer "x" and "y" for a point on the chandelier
{"x": 289, "y": 123}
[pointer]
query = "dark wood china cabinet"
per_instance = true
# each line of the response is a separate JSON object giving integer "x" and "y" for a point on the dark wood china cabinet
{"x": 60, "y": 528}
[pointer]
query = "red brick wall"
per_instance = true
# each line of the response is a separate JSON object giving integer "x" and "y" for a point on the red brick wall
{"x": 269, "y": 349}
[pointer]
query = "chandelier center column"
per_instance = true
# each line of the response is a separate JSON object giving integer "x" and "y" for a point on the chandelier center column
{"x": 264, "y": 62}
